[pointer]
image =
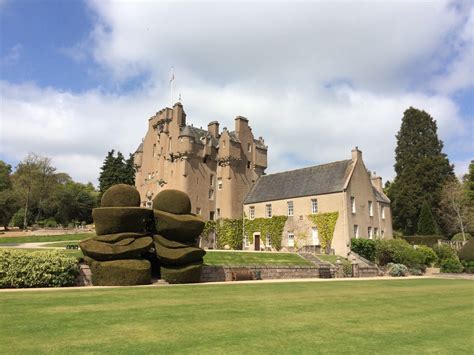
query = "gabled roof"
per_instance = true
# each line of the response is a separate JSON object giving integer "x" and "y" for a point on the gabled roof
{"x": 233, "y": 137}
{"x": 379, "y": 196}
{"x": 315, "y": 180}
{"x": 140, "y": 148}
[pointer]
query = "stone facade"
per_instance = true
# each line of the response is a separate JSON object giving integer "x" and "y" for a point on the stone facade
{"x": 364, "y": 210}
{"x": 216, "y": 169}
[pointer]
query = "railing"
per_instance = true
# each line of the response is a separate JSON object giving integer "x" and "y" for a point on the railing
{"x": 455, "y": 244}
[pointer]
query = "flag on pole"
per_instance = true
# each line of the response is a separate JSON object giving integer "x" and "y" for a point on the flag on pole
{"x": 172, "y": 75}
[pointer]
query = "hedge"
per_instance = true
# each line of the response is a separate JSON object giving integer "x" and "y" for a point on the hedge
{"x": 399, "y": 251}
{"x": 364, "y": 247}
{"x": 43, "y": 268}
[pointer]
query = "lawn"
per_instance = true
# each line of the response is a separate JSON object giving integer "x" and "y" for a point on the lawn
{"x": 253, "y": 258}
{"x": 45, "y": 238}
{"x": 364, "y": 317}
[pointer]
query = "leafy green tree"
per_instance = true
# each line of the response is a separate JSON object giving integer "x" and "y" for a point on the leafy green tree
{"x": 129, "y": 171}
{"x": 8, "y": 202}
{"x": 421, "y": 169}
{"x": 426, "y": 223}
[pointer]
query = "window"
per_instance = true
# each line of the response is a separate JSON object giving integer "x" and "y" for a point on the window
{"x": 291, "y": 240}
{"x": 383, "y": 233}
{"x": 370, "y": 233}
{"x": 268, "y": 241}
{"x": 356, "y": 231}
{"x": 376, "y": 232}
{"x": 290, "y": 208}
{"x": 252, "y": 212}
{"x": 371, "y": 209}
{"x": 219, "y": 183}
{"x": 246, "y": 241}
{"x": 382, "y": 212}
{"x": 314, "y": 206}
{"x": 154, "y": 150}
{"x": 249, "y": 148}
{"x": 211, "y": 180}
{"x": 315, "y": 234}
{"x": 211, "y": 194}
{"x": 353, "y": 204}
{"x": 248, "y": 164}
{"x": 148, "y": 204}
{"x": 169, "y": 145}
{"x": 223, "y": 144}
{"x": 268, "y": 211}
{"x": 218, "y": 212}
{"x": 211, "y": 215}
{"x": 198, "y": 211}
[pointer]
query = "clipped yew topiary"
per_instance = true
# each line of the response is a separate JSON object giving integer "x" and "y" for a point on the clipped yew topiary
{"x": 178, "y": 256}
{"x": 120, "y": 272}
{"x": 180, "y": 228}
{"x": 170, "y": 243}
{"x": 111, "y": 220}
{"x": 127, "y": 249}
{"x": 190, "y": 273}
{"x": 172, "y": 201}
{"x": 467, "y": 251}
{"x": 116, "y": 237}
{"x": 120, "y": 195}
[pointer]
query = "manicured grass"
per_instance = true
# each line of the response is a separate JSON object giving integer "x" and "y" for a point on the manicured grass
{"x": 60, "y": 244}
{"x": 252, "y": 258}
{"x": 364, "y": 317}
{"x": 45, "y": 238}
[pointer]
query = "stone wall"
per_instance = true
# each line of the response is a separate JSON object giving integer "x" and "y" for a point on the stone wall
{"x": 224, "y": 273}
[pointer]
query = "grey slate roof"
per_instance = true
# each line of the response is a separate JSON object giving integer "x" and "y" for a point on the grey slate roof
{"x": 381, "y": 197}
{"x": 233, "y": 137}
{"x": 315, "y": 180}
{"x": 197, "y": 134}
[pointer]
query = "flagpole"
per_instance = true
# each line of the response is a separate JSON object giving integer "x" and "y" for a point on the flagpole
{"x": 171, "y": 84}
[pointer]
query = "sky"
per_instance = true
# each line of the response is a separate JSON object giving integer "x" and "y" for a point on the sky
{"x": 315, "y": 79}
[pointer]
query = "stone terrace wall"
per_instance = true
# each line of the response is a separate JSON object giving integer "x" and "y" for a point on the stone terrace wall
{"x": 224, "y": 273}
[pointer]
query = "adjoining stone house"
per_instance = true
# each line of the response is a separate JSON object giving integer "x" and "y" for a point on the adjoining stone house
{"x": 216, "y": 169}
{"x": 346, "y": 187}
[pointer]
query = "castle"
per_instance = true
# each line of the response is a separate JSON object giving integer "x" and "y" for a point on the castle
{"x": 175, "y": 155}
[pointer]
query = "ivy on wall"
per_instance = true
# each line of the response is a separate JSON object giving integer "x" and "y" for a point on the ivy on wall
{"x": 325, "y": 222}
{"x": 266, "y": 226}
{"x": 228, "y": 232}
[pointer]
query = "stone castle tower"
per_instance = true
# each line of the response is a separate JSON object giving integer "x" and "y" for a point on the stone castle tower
{"x": 216, "y": 169}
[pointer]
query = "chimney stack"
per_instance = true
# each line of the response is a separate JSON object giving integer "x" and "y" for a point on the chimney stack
{"x": 213, "y": 129}
{"x": 356, "y": 154}
{"x": 377, "y": 182}
{"x": 241, "y": 123}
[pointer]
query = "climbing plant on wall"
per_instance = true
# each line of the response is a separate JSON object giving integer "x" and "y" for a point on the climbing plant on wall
{"x": 229, "y": 232}
{"x": 325, "y": 222}
{"x": 266, "y": 226}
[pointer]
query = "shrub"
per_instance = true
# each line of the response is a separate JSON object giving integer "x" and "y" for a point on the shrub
{"x": 21, "y": 269}
{"x": 18, "y": 218}
{"x": 444, "y": 252}
{"x": 415, "y": 272}
{"x": 468, "y": 266}
{"x": 467, "y": 251}
{"x": 398, "y": 270}
{"x": 120, "y": 272}
{"x": 400, "y": 252}
{"x": 364, "y": 247}
{"x": 459, "y": 238}
{"x": 429, "y": 254}
{"x": 50, "y": 223}
{"x": 451, "y": 265}
{"x": 428, "y": 240}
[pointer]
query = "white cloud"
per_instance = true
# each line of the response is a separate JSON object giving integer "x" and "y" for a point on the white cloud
{"x": 315, "y": 79}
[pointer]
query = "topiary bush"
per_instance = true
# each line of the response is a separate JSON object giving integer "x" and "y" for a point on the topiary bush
{"x": 364, "y": 247}
{"x": 120, "y": 272}
{"x": 111, "y": 220}
{"x": 429, "y": 253}
{"x": 190, "y": 273}
{"x": 451, "y": 265}
{"x": 178, "y": 256}
{"x": 458, "y": 237}
{"x": 467, "y": 251}
{"x": 172, "y": 201}
{"x": 22, "y": 269}
{"x": 468, "y": 266}
{"x": 121, "y": 195}
{"x": 397, "y": 270}
{"x": 180, "y": 228}
{"x": 125, "y": 249}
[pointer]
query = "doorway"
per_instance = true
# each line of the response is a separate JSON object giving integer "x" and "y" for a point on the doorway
{"x": 256, "y": 242}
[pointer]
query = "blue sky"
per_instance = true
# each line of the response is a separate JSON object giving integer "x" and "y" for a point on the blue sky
{"x": 79, "y": 78}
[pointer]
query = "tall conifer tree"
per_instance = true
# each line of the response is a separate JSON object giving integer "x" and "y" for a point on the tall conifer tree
{"x": 421, "y": 169}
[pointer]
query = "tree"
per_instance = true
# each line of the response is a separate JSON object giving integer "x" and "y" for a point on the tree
{"x": 116, "y": 170}
{"x": 8, "y": 202}
{"x": 421, "y": 169}
{"x": 454, "y": 208}
{"x": 426, "y": 223}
